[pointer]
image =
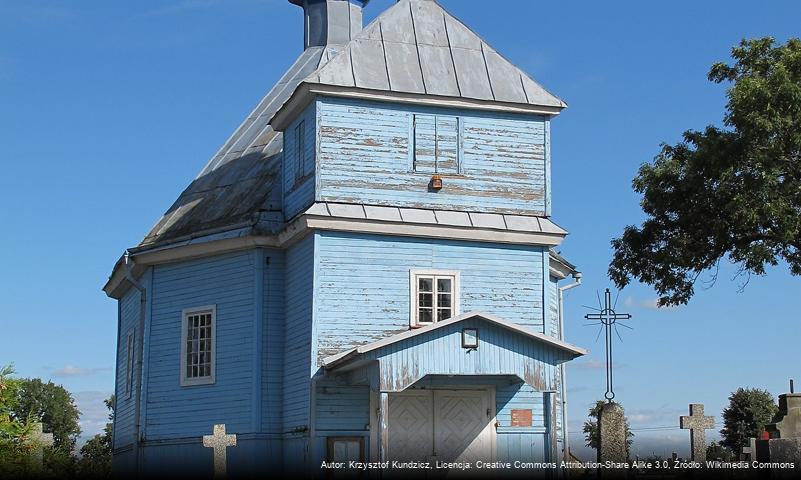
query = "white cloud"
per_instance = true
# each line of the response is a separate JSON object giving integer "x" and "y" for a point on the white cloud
{"x": 73, "y": 371}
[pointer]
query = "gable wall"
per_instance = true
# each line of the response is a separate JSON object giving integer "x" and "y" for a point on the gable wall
{"x": 363, "y": 295}
{"x": 364, "y": 157}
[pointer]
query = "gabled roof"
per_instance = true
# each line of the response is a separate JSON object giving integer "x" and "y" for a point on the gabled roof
{"x": 416, "y": 47}
{"x": 348, "y": 355}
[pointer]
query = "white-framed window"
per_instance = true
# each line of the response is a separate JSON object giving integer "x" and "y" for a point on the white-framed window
{"x": 436, "y": 144}
{"x": 130, "y": 346}
{"x": 198, "y": 345}
{"x": 434, "y": 296}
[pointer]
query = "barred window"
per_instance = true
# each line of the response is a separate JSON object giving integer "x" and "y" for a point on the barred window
{"x": 198, "y": 346}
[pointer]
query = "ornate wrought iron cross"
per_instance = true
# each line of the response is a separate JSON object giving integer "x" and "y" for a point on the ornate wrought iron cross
{"x": 608, "y": 318}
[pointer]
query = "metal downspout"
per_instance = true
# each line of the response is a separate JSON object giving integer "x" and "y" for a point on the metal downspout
{"x": 562, "y": 290}
{"x": 139, "y": 360}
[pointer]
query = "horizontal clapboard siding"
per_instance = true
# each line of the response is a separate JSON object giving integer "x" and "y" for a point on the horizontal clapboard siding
{"x": 273, "y": 356}
{"x": 297, "y": 346}
{"x": 124, "y": 409}
{"x": 226, "y": 281}
{"x": 519, "y": 397}
{"x": 299, "y": 193}
{"x": 342, "y": 408}
{"x": 365, "y": 156}
{"x": 364, "y": 296}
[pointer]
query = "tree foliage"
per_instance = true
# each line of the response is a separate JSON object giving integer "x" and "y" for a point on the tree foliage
{"x": 15, "y": 452}
{"x": 749, "y": 410}
{"x": 54, "y": 406}
{"x": 592, "y": 434}
{"x": 724, "y": 193}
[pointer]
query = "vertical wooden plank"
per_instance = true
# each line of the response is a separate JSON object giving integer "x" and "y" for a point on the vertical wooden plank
{"x": 258, "y": 338}
{"x": 547, "y": 168}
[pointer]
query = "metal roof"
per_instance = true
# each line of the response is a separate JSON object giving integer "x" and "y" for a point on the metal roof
{"x": 241, "y": 179}
{"x": 412, "y": 47}
{"x": 417, "y": 47}
{"x": 451, "y": 218}
{"x": 343, "y": 357}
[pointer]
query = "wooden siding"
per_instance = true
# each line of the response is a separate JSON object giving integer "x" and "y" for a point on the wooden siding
{"x": 273, "y": 352}
{"x": 364, "y": 296}
{"x": 342, "y": 409}
{"x": 365, "y": 156}
{"x": 553, "y": 308}
{"x": 440, "y": 352}
{"x": 520, "y": 443}
{"x": 227, "y": 282}
{"x": 298, "y": 340}
{"x": 299, "y": 193}
{"x": 124, "y": 413}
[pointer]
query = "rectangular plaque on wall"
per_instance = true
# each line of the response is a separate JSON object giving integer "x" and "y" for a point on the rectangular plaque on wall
{"x": 521, "y": 418}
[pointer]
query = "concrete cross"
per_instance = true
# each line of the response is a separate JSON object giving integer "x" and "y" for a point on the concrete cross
{"x": 697, "y": 423}
{"x": 40, "y": 440}
{"x": 220, "y": 442}
{"x": 750, "y": 450}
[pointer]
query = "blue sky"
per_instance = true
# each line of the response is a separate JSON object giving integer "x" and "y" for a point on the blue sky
{"x": 109, "y": 109}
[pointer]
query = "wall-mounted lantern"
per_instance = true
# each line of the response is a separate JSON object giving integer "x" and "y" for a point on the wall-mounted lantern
{"x": 436, "y": 182}
{"x": 470, "y": 338}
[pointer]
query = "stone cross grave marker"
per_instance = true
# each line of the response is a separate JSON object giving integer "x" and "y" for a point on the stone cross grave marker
{"x": 220, "y": 442}
{"x": 750, "y": 450}
{"x": 697, "y": 423}
{"x": 41, "y": 440}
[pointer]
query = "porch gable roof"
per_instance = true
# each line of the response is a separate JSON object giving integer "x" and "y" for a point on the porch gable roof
{"x": 342, "y": 358}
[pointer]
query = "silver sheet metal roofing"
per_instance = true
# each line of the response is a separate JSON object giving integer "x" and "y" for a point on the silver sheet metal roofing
{"x": 414, "y": 46}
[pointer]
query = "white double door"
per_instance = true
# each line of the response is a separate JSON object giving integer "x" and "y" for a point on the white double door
{"x": 446, "y": 425}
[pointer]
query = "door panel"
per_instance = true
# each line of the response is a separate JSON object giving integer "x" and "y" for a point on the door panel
{"x": 463, "y": 431}
{"x": 410, "y": 422}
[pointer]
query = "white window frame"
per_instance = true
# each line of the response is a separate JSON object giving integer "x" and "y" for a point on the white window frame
{"x": 130, "y": 346}
{"x": 186, "y": 381}
{"x": 414, "y": 309}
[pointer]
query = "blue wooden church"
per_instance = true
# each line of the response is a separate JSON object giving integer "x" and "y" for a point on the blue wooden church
{"x": 364, "y": 271}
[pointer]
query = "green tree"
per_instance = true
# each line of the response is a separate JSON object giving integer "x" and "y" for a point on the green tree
{"x": 54, "y": 406}
{"x": 749, "y": 410}
{"x": 592, "y": 434}
{"x": 15, "y": 452}
{"x": 724, "y": 193}
{"x": 95, "y": 459}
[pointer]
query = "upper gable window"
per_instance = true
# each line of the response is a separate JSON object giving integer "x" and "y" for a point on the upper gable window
{"x": 435, "y": 296}
{"x": 436, "y": 144}
{"x": 198, "y": 348}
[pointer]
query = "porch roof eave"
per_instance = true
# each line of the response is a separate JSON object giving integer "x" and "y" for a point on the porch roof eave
{"x": 340, "y": 359}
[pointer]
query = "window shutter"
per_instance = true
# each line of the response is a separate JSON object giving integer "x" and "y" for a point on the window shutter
{"x": 436, "y": 144}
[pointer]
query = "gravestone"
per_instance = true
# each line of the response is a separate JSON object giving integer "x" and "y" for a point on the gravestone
{"x": 40, "y": 440}
{"x": 612, "y": 430}
{"x": 697, "y": 423}
{"x": 219, "y": 442}
{"x": 784, "y": 443}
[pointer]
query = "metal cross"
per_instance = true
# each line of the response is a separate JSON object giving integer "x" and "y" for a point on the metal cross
{"x": 220, "y": 443}
{"x": 697, "y": 423}
{"x": 40, "y": 440}
{"x": 608, "y": 318}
